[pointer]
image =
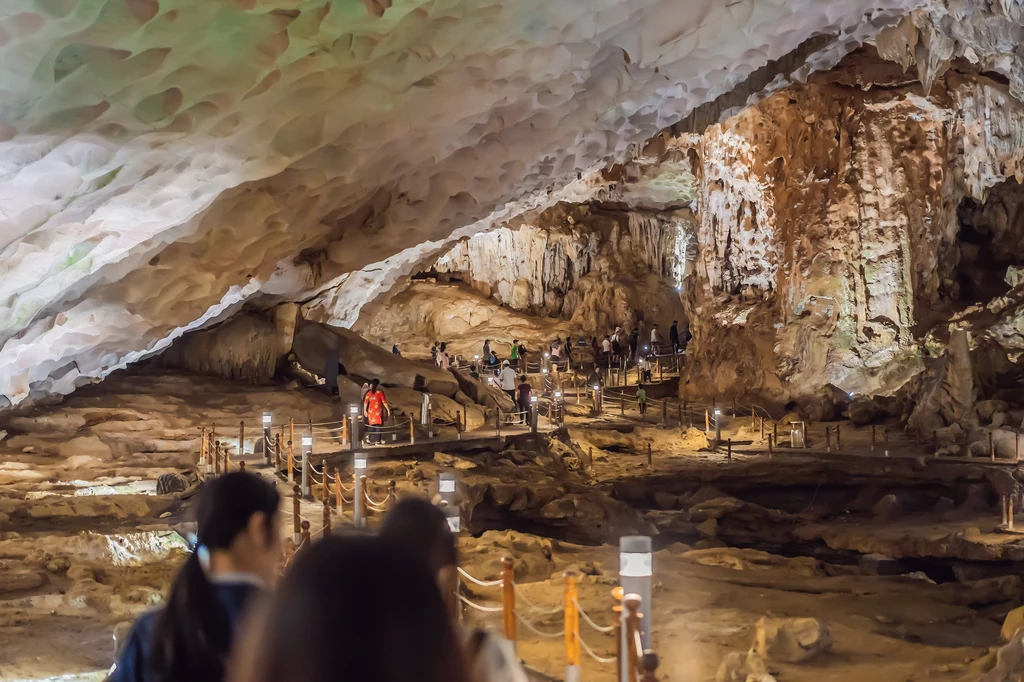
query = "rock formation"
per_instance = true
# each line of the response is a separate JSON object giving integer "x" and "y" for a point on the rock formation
{"x": 166, "y": 162}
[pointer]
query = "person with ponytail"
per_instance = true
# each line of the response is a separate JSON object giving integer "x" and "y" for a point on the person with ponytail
{"x": 237, "y": 554}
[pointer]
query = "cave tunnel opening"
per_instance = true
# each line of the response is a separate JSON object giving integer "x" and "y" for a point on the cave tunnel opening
{"x": 990, "y": 240}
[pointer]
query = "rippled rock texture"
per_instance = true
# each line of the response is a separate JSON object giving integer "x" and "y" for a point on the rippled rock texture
{"x": 164, "y": 161}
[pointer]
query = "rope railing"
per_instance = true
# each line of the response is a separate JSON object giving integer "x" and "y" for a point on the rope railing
{"x": 513, "y": 597}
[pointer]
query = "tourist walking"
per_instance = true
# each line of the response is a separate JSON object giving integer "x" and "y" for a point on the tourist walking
{"x": 433, "y": 351}
{"x": 238, "y": 549}
{"x": 595, "y": 348}
{"x": 395, "y": 351}
{"x": 443, "y": 360}
{"x": 617, "y": 345}
{"x": 375, "y": 406}
{"x": 673, "y": 336}
{"x": 507, "y": 380}
{"x": 567, "y": 350}
{"x": 641, "y": 399}
{"x": 523, "y": 392}
{"x": 655, "y": 339}
{"x": 352, "y": 608}
{"x": 645, "y": 367}
{"x": 634, "y": 342}
{"x": 487, "y": 349}
{"x": 521, "y": 352}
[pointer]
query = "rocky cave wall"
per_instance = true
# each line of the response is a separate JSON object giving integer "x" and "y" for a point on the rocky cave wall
{"x": 164, "y": 163}
{"x": 588, "y": 267}
{"x": 828, "y": 227}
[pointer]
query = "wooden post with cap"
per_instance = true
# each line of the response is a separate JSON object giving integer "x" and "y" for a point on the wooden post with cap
{"x": 324, "y": 488}
{"x": 337, "y": 491}
{"x": 216, "y": 457}
{"x": 241, "y": 466}
{"x": 241, "y": 437}
{"x": 573, "y": 650}
{"x": 508, "y": 599}
{"x": 617, "y": 624}
{"x": 202, "y": 449}
{"x": 327, "y": 517}
{"x": 632, "y": 602}
{"x": 291, "y": 462}
{"x": 304, "y": 539}
{"x": 650, "y": 461}
{"x": 296, "y": 515}
{"x": 277, "y": 451}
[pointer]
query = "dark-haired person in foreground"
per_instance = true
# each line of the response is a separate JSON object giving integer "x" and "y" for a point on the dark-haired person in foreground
{"x": 351, "y": 609}
{"x": 420, "y": 529}
{"x": 237, "y": 555}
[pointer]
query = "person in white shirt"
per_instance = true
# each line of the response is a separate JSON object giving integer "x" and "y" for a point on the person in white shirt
{"x": 507, "y": 380}
{"x": 645, "y": 365}
{"x": 655, "y": 339}
{"x": 606, "y": 345}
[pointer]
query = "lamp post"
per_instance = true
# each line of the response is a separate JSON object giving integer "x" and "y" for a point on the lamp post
{"x": 558, "y": 408}
{"x": 451, "y": 514}
{"x": 636, "y": 564}
{"x": 267, "y": 421}
{"x": 356, "y": 439}
{"x": 358, "y": 471}
{"x": 718, "y": 427}
{"x": 476, "y": 363}
{"x": 597, "y": 399}
{"x": 446, "y": 487}
{"x": 307, "y": 450}
{"x": 533, "y": 414}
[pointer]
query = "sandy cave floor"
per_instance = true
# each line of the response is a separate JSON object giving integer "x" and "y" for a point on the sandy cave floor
{"x": 86, "y": 544}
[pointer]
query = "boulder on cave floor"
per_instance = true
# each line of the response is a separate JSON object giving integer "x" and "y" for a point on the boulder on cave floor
{"x": 739, "y": 666}
{"x": 316, "y": 343}
{"x": 791, "y": 640}
{"x": 987, "y": 409}
{"x": 865, "y": 410}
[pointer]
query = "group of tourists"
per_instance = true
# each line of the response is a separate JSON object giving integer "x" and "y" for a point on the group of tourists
{"x": 618, "y": 347}
{"x": 363, "y": 607}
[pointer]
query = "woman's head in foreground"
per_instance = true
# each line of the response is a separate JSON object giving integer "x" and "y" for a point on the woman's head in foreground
{"x": 352, "y": 608}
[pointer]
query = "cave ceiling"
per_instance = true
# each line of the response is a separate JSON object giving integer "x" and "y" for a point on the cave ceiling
{"x": 162, "y": 162}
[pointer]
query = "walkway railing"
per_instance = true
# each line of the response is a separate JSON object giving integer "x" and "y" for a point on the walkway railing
{"x": 640, "y": 663}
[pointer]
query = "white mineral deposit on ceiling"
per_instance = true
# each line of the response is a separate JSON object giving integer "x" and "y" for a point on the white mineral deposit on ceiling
{"x": 161, "y": 161}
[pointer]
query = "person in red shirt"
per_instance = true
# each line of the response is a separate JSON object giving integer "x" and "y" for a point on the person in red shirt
{"x": 376, "y": 409}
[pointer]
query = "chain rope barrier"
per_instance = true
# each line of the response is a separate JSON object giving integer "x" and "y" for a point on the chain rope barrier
{"x": 478, "y": 607}
{"x": 529, "y": 626}
{"x": 590, "y": 652}
{"x": 590, "y": 622}
{"x": 476, "y": 581}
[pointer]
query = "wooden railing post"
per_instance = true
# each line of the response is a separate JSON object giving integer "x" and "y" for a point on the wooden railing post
{"x": 304, "y": 538}
{"x": 508, "y": 599}
{"x": 291, "y": 433}
{"x": 277, "y": 452}
{"x": 241, "y": 437}
{"x": 344, "y": 431}
{"x": 573, "y": 649}
{"x": 338, "y": 502}
{"x": 324, "y": 489}
{"x": 202, "y": 451}
{"x": 227, "y": 458}
{"x": 296, "y": 515}
{"x": 392, "y": 495}
{"x": 241, "y": 466}
{"x": 632, "y": 602}
{"x": 617, "y": 624}
{"x": 327, "y": 517}
{"x": 291, "y": 462}
{"x": 216, "y": 457}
